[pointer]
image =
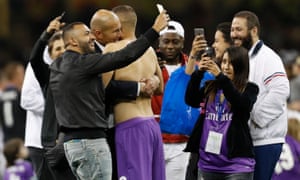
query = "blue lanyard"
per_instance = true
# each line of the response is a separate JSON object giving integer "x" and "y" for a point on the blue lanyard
{"x": 220, "y": 105}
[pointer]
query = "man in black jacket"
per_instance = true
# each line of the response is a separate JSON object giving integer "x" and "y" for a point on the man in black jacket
{"x": 79, "y": 96}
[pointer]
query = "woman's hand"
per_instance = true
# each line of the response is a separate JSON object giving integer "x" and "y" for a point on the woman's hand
{"x": 199, "y": 44}
{"x": 210, "y": 65}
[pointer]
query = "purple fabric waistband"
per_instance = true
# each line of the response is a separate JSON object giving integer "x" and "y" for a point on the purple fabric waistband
{"x": 133, "y": 122}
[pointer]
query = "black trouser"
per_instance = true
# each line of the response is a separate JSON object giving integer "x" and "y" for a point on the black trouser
{"x": 39, "y": 163}
{"x": 62, "y": 170}
{"x": 44, "y": 171}
{"x": 192, "y": 169}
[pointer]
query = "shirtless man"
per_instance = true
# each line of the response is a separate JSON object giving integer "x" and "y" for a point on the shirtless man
{"x": 135, "y": 122}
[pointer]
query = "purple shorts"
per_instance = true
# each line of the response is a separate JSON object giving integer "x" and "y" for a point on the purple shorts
{"x": 139, "y": 150}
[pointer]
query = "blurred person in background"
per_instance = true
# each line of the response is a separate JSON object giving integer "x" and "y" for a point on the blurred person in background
{"x": 2, "y": 158}
{"x": 288, "y": 165}
{"x": 12, "y": 115}
{"x": 294, "y": 100}
{"x": 17, "y": 166}
{"x": 268, "y": 120}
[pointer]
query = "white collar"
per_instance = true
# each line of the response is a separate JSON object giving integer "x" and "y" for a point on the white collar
{"x": 46, "y": 57}
{"x": 99, "y": 45}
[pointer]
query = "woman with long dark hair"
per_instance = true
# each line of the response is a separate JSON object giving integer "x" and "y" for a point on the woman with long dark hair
{"x": 221, "y": 135}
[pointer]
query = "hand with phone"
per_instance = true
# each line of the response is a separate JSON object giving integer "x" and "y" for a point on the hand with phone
{"x": 160, "y": 8}
{"x": 161, "y": 20}
{"x": 55, "y": 24}
{"x": 199, "y": 44}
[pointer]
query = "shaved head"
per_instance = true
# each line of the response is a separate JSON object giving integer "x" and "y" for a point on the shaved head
{"x": 106, "y": 26}
{"x": 68, "y": 32}
{"x": 78, "y": 37}
{"x": 101, "y": 18}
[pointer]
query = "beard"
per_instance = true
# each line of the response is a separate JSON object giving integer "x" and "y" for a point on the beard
{"x": 247, "y": 41}
{"x": 86, "y": 48}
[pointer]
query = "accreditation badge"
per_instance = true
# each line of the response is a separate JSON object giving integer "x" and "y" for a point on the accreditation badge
{"x": 214, "y": 142}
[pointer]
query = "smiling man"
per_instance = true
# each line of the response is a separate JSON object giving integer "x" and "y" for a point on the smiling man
{"x": 172, "y": 61}
{"x": 268, "y": 120}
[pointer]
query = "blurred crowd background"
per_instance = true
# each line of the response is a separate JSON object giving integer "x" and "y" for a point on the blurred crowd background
{"x": 22, "y": 21}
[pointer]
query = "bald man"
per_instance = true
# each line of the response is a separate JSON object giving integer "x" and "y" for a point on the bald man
{"x": 135, "y": 118}
{"x": 106, "y": 27}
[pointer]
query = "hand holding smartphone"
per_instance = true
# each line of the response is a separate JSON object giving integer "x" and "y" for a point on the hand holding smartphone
{"x": 160, "y": 8}
{"x": 199, "y": 32}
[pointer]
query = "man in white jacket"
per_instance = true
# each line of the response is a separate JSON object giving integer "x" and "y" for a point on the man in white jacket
{"x": 268, "y": 121}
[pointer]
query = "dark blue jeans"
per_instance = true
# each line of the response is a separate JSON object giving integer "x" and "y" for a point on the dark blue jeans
{"x": 266, "y": 158}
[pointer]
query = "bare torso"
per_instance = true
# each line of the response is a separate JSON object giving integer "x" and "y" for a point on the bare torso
{"x": 144, "y": 67}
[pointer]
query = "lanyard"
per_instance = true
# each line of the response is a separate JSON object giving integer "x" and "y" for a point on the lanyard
{"x": 220, "y": 105}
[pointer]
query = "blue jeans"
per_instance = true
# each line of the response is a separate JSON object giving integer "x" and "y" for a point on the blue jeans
{"x": 89, "y": 158}
{"x": 266, "y": 157}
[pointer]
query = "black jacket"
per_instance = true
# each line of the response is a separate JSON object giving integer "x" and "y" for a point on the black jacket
{"x": 239, "y": 140}
{"x": 78, "y": 90}
{"x": 41, "y": 71}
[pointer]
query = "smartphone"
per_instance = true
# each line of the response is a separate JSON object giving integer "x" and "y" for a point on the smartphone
{"x": 62, "y": 15}
{"x": 209, "y": 51}
{"x": 160, "y": 8}
{"x": 198, "y": 31}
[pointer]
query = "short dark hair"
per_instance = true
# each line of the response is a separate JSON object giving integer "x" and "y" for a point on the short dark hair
{"x": 225, "y": 28}
{"x": 67, "y": 29}
{"x": 126, "y": 14}
{"x": 10, "y": 68}
{"x": 252, "y": 19}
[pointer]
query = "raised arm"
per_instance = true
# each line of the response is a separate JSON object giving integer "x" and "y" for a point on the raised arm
{"x": 40, "y": 68}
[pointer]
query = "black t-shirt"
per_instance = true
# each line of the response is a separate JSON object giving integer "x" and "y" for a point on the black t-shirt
{"x": 12, "y": 115}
